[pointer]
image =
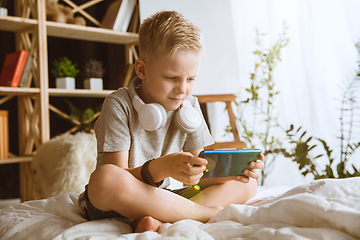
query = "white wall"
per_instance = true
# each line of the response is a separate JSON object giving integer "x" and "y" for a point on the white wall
{"x": 218, "y": 72}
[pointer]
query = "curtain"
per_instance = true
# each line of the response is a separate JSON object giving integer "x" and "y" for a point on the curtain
{"x": 319, "y": 59}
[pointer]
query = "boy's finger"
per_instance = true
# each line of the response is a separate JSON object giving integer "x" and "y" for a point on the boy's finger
{"x": 192, "y": 179}
{"x": 244, "y": 179}
{"x": 257, "y": 165}
{"x": 195, "y": 170}
{"x": 198, "y": 161}
{"x": 251, "y": 174}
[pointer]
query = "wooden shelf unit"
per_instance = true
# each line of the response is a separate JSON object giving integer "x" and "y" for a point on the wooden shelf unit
{"x": 17, "y": 24}
{"x": 94, "y": 34}
{"x": 10, "y": 91}
{"x": 16, "y": 160}
{"x": 56, "y": 92}
{"x": 33, "y": 110}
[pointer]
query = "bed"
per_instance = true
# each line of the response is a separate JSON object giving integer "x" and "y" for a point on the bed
{"x": 322, "y": 209}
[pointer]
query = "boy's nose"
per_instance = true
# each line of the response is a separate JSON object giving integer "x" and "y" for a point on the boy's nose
{"x": 181, "y": 88}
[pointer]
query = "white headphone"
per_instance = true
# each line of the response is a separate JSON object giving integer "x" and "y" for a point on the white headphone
{"x": 152, "y": 116}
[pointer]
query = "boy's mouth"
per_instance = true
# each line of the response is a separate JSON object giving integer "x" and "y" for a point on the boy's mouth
{"x": 176, "y": 99}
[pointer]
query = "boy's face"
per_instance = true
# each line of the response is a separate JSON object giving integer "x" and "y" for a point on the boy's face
{"x": 170, "y": 80}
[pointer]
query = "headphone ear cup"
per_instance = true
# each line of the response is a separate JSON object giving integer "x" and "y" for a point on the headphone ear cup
{"x": 152, "y": 116}
{"x": 187, "y": 118}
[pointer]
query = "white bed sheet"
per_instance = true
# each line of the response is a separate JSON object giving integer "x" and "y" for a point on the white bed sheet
{"x": 323, "y": 209}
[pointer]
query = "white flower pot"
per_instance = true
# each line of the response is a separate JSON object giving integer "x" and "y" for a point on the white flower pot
{"x": 3, "y": 11}
{"x": 93, "y": 84}
{"x": 65, "y": 82}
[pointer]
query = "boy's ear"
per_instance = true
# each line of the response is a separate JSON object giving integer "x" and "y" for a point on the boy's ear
{"x": 140, "y": 68}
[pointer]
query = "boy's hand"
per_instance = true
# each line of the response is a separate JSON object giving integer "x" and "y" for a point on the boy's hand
{"x": 252, "y": 174}
{"x": 180, "y": 166}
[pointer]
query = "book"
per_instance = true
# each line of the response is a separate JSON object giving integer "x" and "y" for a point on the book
{"x": 25, "y": 80}
{"x": 121, "y": 14}
{"x": 4, "y": 134}
{"x": 127, "y": 15}
{"x": 134, "y": 22}
{"x": 13, "y": 68}
{"x": 112, "y": 15}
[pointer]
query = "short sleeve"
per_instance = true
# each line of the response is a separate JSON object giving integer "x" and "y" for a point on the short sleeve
{"x": 112, "y": 126}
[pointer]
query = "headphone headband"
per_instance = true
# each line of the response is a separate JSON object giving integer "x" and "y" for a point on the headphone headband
{"x": 131, "y": 89}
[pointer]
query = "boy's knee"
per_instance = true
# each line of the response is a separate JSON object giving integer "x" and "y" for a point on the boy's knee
{"x": 101, "y": 177}
{"x": 247, "y": 190}
{"x": 109, "y": 176}
{"x": 105, "y": 181}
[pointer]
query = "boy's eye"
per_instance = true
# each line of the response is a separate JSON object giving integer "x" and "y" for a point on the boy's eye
{"x": 175, "y": 78}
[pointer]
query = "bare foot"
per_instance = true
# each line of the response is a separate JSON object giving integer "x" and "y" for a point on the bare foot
{"x": 146, "y": 224}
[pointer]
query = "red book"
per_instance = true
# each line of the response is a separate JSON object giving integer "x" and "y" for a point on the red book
{"x": 13, "y": 68}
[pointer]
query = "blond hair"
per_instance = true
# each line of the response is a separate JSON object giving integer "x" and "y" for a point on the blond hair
{"x": 168, "y": 32}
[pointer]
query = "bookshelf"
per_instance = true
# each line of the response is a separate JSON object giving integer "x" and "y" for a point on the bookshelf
{"x": 31, "y": 33}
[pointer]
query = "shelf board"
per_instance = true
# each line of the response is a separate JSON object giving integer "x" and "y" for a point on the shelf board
{"x": 86, "y": 33}
{"x": 54, "y": 92}
{"x": 17, "y": 24}
{"x": 62, "y": 30}
{"x": 16, "y": 160}
{"x": 58, "y": 92}
{"x": 8, "y": 91}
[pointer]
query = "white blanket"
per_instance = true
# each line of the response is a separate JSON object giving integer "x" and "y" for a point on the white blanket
{"x": 324, "y": 209}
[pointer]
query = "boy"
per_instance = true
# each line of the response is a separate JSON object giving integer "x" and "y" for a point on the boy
{"x": 136, "y": 157}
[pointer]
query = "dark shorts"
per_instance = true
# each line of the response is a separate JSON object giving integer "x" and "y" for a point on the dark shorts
{"x": 92, "y": 213}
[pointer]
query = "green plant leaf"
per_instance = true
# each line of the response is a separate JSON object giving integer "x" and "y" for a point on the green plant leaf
{"x": 340, "y": 170}
{"x": 88, "y": 114}
{"x": 329, "y": 172}
{"x": 75, "y": 112}
{"x": 63, "y": 67}
{"x": 302, "y": 135}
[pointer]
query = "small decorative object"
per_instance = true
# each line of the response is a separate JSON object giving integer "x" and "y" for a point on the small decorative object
{"x": 93, "y": 72}
{"x": 57, "y": 12}
{"x": 65, "y": 72}
{"x": 3, "y": 9}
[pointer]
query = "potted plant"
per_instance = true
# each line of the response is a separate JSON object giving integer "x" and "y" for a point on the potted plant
{"x": 3, "y": 9}
{"x": 65, "y": 72}
{"x": 93, "y": 72}
{"x": 82, "y": 119}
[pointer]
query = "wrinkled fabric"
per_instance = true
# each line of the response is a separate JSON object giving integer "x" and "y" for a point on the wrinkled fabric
{"x": 323, "y": 209}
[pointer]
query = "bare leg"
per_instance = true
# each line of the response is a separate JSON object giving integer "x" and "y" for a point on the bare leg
{"x": 113, "y": 188}
{"x": 236, "y": 193}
